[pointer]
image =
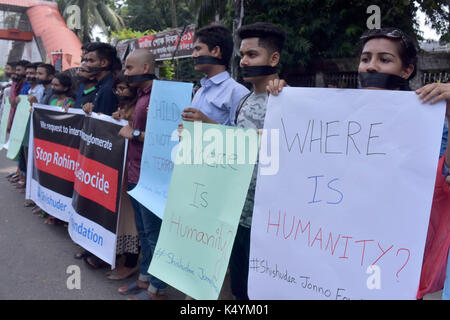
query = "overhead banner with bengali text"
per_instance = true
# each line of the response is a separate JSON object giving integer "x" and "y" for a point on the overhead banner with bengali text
{"x": 75, "y": 174}
{"x": 167, "y": 44}
{"x": 345, "y": 215}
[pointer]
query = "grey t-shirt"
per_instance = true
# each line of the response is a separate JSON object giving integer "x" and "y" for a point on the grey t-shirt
{"x": 251, "y": 115}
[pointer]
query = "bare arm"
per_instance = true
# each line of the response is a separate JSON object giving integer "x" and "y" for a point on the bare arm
{"x": 433, "y": 93}
{"x": 192, "y": 114}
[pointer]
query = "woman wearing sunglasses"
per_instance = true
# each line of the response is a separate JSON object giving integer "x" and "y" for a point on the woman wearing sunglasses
{"x": 388, "y": 61}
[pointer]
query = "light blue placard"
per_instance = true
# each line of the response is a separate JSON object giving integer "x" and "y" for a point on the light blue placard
{"x": 167, "y": 100}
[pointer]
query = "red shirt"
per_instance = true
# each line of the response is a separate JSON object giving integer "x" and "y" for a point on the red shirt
{"x": 13, "y": 94}
{"x": 135, "y": 148}
{"x": 438, "y": 238}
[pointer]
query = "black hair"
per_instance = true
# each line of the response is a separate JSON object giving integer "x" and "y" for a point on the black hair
{"x": 104, "y": 51}
{"x": 11, "y": 63}
{"x": 48, "y": 67}
{"x": 85, "y": 46}
{"x": 407, "y": 48}
{"x": 65, "y": 81}
{"x": 127, "y": 104}
{"x": 121, "y": 78}
{"x": 117, "y": 65}
{"x": 22, "y": 63}
{"x": 33, "y": 65}
{"x": 271, "y": 37}
{"x": 217, "y": 35}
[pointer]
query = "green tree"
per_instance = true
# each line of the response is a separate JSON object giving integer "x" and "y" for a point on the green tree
{"x": 93, "y": 12}
{"x": 143, "y": 15}
{"x": 438, "y": 16}
{"x": 326, "y": 28}
{"x": 208, "y": 11}
{"x": 2, "y": 74}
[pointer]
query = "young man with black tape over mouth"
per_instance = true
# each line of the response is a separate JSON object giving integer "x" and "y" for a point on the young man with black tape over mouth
{"x": 217, "y": 99}
{"x": 260, "y": 51}
{"x": 140, "y": 73}
{"x": 101, "y": 60}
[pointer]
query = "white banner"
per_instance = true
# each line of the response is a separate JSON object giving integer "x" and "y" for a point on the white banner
{"x": 75, "y": 172}
{"x": 346, "y": 215}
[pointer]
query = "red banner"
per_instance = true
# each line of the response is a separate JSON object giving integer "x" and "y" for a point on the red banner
{"x": 166, "y": 45}
{"x": 55, "y": 159}
{"x": 97, "y": 182}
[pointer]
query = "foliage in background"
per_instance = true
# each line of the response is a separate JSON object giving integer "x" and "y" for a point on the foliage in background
{"x": 326, "y": 28}
{"x": 129, "y": 33}
{"x": 145, "y": 15}
{"x": 211, "y": 10}
{"x": 2, "y": 74}
{"x": 316, "y": 29}
{"x": 93, "y": 12}
{"x": 166, "y": 68}
{"x": 438, "y": 16}
{"x": 142, "y": 15}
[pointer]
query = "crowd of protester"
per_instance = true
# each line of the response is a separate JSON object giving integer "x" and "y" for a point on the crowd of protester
{"x": 103, "y": 84}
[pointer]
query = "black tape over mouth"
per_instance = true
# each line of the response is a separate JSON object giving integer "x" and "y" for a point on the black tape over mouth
{"x": 257, "y": 71}
{"x": 382, "y": 80}
{"x": 208, "y": 60}
{"x": 140, "y": 78}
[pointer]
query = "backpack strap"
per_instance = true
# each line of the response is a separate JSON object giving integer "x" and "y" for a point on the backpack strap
{"x": 241, "y": 104}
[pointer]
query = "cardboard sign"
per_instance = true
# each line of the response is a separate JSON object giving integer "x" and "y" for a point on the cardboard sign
{"x": 346, "y": 215}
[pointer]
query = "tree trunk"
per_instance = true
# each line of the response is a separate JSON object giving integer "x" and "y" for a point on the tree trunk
{"x": 109, "y": 17}
{"x": 237, "y": 23}
{"x": 173, "y": 13}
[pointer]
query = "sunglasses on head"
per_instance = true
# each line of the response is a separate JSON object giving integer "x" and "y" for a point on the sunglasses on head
{"x": 391, "y": 34}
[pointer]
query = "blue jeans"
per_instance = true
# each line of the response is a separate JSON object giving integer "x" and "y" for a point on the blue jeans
{"x": 239, "y": 263}
{"x": 148, "y": 226}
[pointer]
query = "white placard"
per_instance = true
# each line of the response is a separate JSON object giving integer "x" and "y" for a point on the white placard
{"x": 346, "y": 215}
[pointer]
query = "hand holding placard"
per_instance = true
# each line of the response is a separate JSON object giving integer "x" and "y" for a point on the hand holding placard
{"x": 204, "y": 204}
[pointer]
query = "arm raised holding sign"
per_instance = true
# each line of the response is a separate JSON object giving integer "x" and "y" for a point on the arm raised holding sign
{"x": 388, "y": 61}
{"x": 275, "y": 86}
{"x": 433, "y": 93}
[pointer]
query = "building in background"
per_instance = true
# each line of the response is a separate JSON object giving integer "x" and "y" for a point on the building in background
{"x": 34, "y": 29}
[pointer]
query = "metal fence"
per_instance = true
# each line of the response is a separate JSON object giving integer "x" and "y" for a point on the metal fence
{"x": 350, "y": 79}
{"x": 341, "y": 80}
{"x": 302, "y": 80}
{"x": 431, "y": 77}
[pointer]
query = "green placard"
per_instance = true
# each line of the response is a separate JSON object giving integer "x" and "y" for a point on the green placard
{"x": 204, "y": 204}
{"x": 4, "y": 123}
{"x": 19, "y": 127}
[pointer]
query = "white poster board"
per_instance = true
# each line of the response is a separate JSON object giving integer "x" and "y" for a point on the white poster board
{"x": 346, "y": 215}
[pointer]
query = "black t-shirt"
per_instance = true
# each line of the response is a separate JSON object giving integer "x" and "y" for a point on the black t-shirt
{"x": 105, "y": 100}
{"x": 85, "y": 96}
